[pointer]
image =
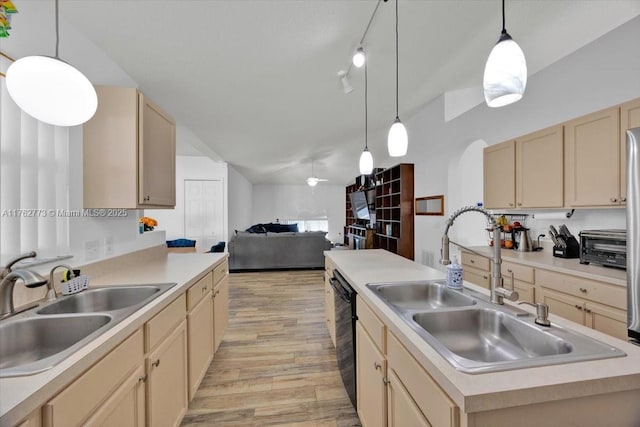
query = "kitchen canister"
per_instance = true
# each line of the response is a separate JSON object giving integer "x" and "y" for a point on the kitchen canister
{"x": 454, "y": 274}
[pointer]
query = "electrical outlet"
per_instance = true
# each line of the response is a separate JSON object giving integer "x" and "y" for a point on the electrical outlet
{"x": 92, "y": 249}
{"x": 108, "y": 246}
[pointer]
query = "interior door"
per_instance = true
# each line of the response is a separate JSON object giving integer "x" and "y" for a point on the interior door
{"x": 204, "y": 208}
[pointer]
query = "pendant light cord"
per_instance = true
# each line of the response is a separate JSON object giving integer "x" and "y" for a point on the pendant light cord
{"x": 366, "y": 115}
{"x": 57, "y": 32}
{"x": 397, "y": 78}
{"x": 504, "y": 30}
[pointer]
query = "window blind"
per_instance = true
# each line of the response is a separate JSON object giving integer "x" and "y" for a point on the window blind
{"x": 34, "y": 183}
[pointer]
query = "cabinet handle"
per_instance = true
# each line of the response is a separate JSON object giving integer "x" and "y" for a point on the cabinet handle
{"x": 583, "y": 290}
{"x": 519, "y": 203}
{"x": 579, "y": 307}
{"x": 385, "y": 381}
{"x": 614, "y": 200}
{"x": 146, "y": 198}
{"x": 216, "y": 293}
{"x": 204, "y": 289}
{"x": 156, "y": 363}
{"x": 485, "y": 277}
{"x": 510, "y": 203}
{"x": 623, "y": 199}
{"x": 142, "y": 378}
{"x": 377, "y": 365}
{"x": 472, "y": 261}
{"x": 587, "y": 310}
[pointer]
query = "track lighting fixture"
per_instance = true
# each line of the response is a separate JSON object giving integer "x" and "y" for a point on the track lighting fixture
{"x": 50, "y": 89}
{"x": 397, "y": 140}
{"x": 505, "y": 74}
{"x": 366, "y": 159}
{"x": 344, "y": 79}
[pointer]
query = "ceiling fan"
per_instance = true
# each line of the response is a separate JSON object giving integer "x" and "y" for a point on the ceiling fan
{"x": 312, "y": 181}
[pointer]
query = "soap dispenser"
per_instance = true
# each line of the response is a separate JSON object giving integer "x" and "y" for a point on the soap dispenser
{"x": 454, "y": 274}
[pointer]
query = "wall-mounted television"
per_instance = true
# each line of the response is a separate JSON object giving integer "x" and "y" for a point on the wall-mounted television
{"x": 359, "y": 205}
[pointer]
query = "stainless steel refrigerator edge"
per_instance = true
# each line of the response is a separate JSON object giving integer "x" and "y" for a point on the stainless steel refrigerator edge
{"x": 633, "y": 234}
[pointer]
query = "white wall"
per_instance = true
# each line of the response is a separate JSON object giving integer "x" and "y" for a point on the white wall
{"x": 197, "y": 168}
{"x": 603, "y": 73}
{"x": 240, "y": 201}
{"x": 271, "y": 202}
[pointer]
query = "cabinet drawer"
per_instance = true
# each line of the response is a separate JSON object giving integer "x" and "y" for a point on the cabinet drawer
{"x": 475, "y": 261}
{"x": 520, "y": 272}
{"x": 220, "y": 271}
{"x": 476, "y": 276}
{"x": 164, "y": 322}
{"x": 604, "y": 293}
{"x": 198, "y": 290}
{"x": 78, "y": 401}
{"x": 434, "y": 403}
{"x": 372, "y": 324}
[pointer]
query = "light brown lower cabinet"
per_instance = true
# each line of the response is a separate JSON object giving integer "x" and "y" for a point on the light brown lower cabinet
{"x": 167, "y": 380}
{"x": 371, "y": 368}
{"x": 33, "y": 420}
{"x": 220, "y": 310}
{"x": 402, "y": 409}
{"x": 200, "y": 328}
{"x": 330, "y": 311}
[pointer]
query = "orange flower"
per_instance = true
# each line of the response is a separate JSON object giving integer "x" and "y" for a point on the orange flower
{"x": 148, "y": 221}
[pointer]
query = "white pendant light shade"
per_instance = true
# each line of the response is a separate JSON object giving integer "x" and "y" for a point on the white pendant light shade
{"x": 505, "y": 74}
{"x": 366, "y": 162}
{"x": 312, "y": 182}
{"x": 51, "y": 91}
{"x": 398, "y": 140}
{"x": 359, "y": 58}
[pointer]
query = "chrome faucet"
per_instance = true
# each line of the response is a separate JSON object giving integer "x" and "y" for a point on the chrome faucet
{"x": 51, "y": 289}
{"x": 498, "y": 292}
{"x": 7, "y": 269}
{"x": 30, "y": 279}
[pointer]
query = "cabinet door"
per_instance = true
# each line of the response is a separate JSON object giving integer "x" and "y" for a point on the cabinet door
{"x": 592, "y": 160}
{"x": 403, "y": 411}
{"x": 609, "y": 320}
{"x": 534, "y": 188}
{"x": 629, "y": 119}
{"x": 330, "y": 311}
{"x": 167, "y": 380}
{"x": 220, "y": 311}
{"x": 200, "y": 329}
{"x": 499, "y": 175}
{"x": 526, "y": 291}
{"x": 371, "y": 368}
{"x": 157, "y": 155}
{"x": 125, "y": 407}
{"x": 34, "y": 420}
{"x": 564, "y": 305}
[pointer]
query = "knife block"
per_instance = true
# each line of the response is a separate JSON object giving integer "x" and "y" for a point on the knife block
{"x": 571, "y": 251}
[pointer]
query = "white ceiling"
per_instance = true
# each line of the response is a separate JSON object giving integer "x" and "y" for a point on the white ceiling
{"x": 256, "y": 81}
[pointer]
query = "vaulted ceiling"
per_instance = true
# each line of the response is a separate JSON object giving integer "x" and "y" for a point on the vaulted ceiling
{"x": 256, "y": 80}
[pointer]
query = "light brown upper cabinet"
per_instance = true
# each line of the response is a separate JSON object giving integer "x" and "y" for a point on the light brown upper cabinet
{"x": 592, "y": 159}
{"x": 129, "y": 152}
{"x": 499, "y": 175}
{"x": 629, "y": 119}
{"x": 514, "y": 178}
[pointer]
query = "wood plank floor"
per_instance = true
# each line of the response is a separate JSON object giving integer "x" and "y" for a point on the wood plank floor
{"x": 276, "y": 365}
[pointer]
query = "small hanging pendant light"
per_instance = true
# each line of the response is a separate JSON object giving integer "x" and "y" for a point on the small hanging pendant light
{"x": 505, "y": 74}
{"x": 50, "y": 89}
{"x": 359, "y": 58}
{"x": 397, "y": 140}
{"x": 366, "y": 159}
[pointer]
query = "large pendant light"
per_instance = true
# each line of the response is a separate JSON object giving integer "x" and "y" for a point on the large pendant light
{"x": 398, "y": 140}
{"x": 51, "y": 90}
{"x": 366, "y": 159}
{"x": 505, "y": 75}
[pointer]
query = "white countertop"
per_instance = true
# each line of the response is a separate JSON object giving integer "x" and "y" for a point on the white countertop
{"x": 545, "y": 259}
{"x": 486, "y": 391}
{"x": 19, "y": 396}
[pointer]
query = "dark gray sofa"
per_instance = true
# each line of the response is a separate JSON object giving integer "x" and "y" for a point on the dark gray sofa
{"x": 263, "y": 251}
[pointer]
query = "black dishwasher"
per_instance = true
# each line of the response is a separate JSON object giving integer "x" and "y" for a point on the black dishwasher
{"x": 345, "y": 303}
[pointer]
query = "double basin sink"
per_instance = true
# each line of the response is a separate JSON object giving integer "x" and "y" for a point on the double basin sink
{"x": 40, "y": 338}
{"x": 476, "y": 336}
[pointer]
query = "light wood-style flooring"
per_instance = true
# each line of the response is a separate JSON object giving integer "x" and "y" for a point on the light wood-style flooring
{"x": 276, "y": 365}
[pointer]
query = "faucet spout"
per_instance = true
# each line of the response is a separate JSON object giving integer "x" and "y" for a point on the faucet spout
{"x": 498, "y": 292}
{"x": 51, "y": 289}
{"x": 30, "y": 279}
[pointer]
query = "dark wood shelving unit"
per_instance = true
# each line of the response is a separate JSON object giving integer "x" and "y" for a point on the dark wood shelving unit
{"x": 395, "y": 210}
{"x": 348, "y": 214}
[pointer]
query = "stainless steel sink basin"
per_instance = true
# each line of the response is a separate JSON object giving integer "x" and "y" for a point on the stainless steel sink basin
{"x": 38, "y": 339}
{"x": 32, "y": 344}
{"x": 476, "y": 336}
{"x": 103, "y": 299}
{"x": 420, "y": 295}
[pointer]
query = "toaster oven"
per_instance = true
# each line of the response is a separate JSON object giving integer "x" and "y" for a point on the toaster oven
{"x": 606, "y": 247}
